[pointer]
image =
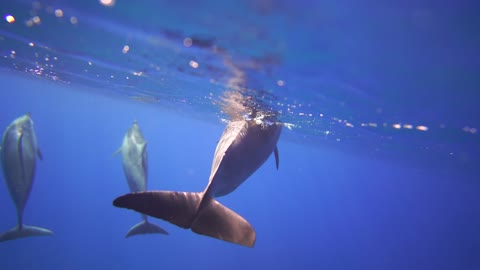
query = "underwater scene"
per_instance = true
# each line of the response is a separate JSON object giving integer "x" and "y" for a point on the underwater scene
{"x": 253, "y": 134}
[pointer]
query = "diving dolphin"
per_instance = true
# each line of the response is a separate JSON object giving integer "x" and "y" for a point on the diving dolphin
{"x": 135, "y": 166}
{"x": 243, "y": 147}
{"x": 18, "y": 158}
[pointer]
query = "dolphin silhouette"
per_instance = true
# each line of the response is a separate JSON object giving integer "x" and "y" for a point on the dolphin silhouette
{"x": 18, "y": 155}
{"x": 243, "y": 147}
{"x": 135, "y": 167}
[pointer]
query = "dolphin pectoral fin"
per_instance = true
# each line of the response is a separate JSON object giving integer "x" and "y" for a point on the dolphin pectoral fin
{"x": 144, "y": 157}
{"x": 39, "y": 154}
{"x": 218, "y": 221}
{"x": 143, "y": 148}
{"x": 277, "y": 157}
{"x": 145, "y": 227}
{"x": 24, "y": 231}
{"x": 117, "y": 152}
{"x": 179, "y": 208}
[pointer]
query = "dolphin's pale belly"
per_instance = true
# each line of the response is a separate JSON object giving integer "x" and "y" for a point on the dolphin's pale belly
{"x": 244, "y": 147}
{"x": 18, "y": 157}
{"x": 135, "y": 165}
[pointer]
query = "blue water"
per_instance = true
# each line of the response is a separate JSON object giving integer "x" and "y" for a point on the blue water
{"x": 378, "y": 157}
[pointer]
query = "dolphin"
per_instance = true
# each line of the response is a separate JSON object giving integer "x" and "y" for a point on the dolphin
{"x": 135, "y": 166}
{"x": 243, "y": 147}
{"x": 18, "y": 155}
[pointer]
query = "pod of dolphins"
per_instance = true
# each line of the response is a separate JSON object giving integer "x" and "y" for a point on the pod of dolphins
{"x": 244, "y": 146}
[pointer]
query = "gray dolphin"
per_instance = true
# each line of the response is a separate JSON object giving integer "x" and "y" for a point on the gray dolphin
{"x": 18, "y": 155}
{"x": 243, "y": 147}
{"x": 135, "y": 166}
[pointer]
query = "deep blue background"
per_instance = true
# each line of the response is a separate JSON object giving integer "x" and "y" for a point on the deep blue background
{"x": 322, "y": 210}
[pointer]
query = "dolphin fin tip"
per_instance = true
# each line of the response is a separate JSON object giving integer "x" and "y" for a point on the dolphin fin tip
{"x": 117, "y": 152}
{"x": 39, "y": 154}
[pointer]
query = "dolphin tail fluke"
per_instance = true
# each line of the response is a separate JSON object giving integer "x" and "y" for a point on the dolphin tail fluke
{"x": 203, "y": 214}
{"x": 145, "y": 227}
{"x": 24, "y": 231}
{"x": 179, "y": 208}
{"x": 218, "y": 221}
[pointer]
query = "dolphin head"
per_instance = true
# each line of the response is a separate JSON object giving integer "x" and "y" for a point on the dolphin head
{"x": 135, "y": 133}
{"x": 26, "y": 117}
{"x": 24, "y": 123}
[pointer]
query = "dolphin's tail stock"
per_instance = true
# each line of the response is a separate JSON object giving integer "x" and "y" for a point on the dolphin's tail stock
{"x": 203, "y": 214}
{"x": 145, "y": 227}
{"x": 23, "y": 231}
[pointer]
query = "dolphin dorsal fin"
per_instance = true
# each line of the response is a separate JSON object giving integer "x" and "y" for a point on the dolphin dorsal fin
{"x": 117, "y": 152}
{"x": 277, "y": 157}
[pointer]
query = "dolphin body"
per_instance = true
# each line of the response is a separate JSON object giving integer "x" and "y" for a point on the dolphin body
{"x": 18, "y": 155}
{"x": 135, "y": 166}
{"x": 243, "y": 147}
